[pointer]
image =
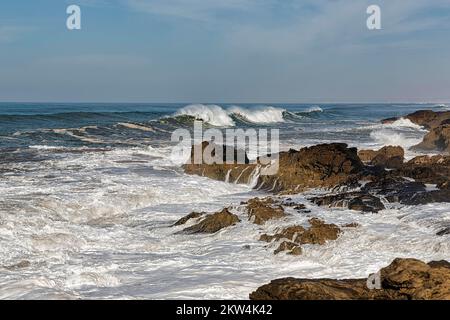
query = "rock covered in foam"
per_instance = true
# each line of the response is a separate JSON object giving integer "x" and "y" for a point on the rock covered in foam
{"x": 214, "y": 222}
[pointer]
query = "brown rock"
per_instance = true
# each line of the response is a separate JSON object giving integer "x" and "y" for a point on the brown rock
{"x": 426, "y": 169}
{"x": 214, "y": 222}
{"x": 437, "y": 139}
{"x": 417, "y": 280}
{"x": 290, "y": 247}
{"x": 262, "y": 210}
{"x": 289, "y": 233}
{"x": 403, "y": 279}
{"x": 426, "y": 118}
{"x": 324, "y": 165}
{"x": 319, "y": 233}
{"x": 192, "y": 215}
{"x": 389, "y": 157}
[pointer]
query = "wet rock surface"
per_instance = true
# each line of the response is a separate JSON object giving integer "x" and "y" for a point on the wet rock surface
{"x": 214, "y": 222}
{"x": 261, "y": 210}
{"x": 324, "y": 165}
{"x": 318, "y": 233}
{"x": 437, "y": 139}
{"x": 388, "y": 157}
{"x": 403, "y": 279}
{"x": 359, "y": 201}
{"x": 185, "y": 219}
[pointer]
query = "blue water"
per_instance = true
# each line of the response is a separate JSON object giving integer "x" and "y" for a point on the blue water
{"x": 96, "y": 124}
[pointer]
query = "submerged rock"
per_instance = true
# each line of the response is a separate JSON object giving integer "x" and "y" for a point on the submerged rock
{"x": 290, "y": 248}
{"x": 21, "y": 265}
{"x": 359, "y": 201}
{"x": 214, "y": 222}
{"x": 185, "y": 219}
{"x": 403, "y": 279}
{"x": 261, "y": 210}
{"x": 318, "y": 233}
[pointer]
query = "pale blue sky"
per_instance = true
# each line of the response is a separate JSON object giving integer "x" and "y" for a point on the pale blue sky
{"x": 225, "y": 51}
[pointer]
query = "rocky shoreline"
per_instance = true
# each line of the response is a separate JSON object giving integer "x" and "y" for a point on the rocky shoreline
{"x": 366, "y": 181}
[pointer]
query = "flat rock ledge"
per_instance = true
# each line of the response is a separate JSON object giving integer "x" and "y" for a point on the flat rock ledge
{"x": 403, "y": 279}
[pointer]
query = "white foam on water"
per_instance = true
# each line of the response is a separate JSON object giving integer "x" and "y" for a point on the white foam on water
{"x": 217, "y": 116}
{"x": 259, "y": 115}
{"x": 212, "y": 114}
{"x": 98, "y": 225}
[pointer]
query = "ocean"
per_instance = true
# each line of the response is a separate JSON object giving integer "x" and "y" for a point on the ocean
{"x": 89, "y": 192}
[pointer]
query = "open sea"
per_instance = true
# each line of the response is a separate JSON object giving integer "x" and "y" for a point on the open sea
{"x": 88, "y": 194}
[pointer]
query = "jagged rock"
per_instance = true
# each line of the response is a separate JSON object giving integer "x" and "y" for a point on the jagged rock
{"x": 288, "y": 233}
{"x": 426, "y": 118}
{"x": 388, "y": 157}
{"x": 443, "y": 232}
{"x": 439, "y": 125}
{"x": 437, "y": 139}
{"x": 238, "y": 171}
{"x": 318, "y": 233}
{"x": 403, "y": 279}
{"x": 289, "y": 247}
{"x": 426, "y": 169}
{"x": 21, "y": 265}
{"x": 358, "y": 201}
{"x": 395, "y": 189}
{"x": 262, "y": 210}
{"x": 439, "y": 264}
{"x": 416, "y": 280}
{"x": 325, "y": 165}
{"x": 185, "y": 219}
{"x": 214, "y": 222}
{"x": 428, "y": 197}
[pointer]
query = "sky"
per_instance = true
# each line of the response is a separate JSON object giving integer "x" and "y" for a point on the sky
{"x": 285, "y": 51}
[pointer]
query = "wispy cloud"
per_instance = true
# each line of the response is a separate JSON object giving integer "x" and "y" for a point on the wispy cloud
{"x": 11, "y": 33}
{"x": 201, "y": 10}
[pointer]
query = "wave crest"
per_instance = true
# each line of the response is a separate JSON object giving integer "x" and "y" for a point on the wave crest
{"x": 217, "y": 116}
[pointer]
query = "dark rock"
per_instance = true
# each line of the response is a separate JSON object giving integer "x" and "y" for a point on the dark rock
{"x": 426, "y": 118}
{"x": 192, "y": 215}
{"x": 388, "y": 157}
{"x": 439, "y": 264}
{"x": 426, "y": 169}
{"x": 359, "y": 201}
{"x": 214, "y": 222}
{"x": 437, "y": 139}
{"x": 395, "y": 189}
{"x": 443, "y": 232}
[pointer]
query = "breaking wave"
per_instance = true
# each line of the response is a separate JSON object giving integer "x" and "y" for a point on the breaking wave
{"x": 217, "y": 116}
